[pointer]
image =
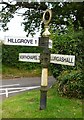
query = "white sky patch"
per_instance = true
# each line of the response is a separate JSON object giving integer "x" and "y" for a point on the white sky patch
{"x": 15, "y": 28}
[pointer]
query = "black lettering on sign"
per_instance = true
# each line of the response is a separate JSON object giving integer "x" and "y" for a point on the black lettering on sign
{"x": 21, "y": 41}
{"x": 17, "y": 40}
{"x": 32, "y": 57}
{"x": 67, "y": 60}
{"x": 56, "y": 58}
{"x": 28, "y": 57}
{"x": 50, "y": 43}
{"x": 10, "y": 40}
{"x": 30, "y": 41}
{"x": 71, "y": 60}
{"x": 35, "y": 41}
{"x": 21, "y": 56}
{"x": 62, "y": 59}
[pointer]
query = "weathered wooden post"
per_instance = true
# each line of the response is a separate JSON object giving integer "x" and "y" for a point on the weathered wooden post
{"x": 45, "y": 59}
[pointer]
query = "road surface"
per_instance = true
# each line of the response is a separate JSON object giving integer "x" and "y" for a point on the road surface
{"x": 11, "y": 87}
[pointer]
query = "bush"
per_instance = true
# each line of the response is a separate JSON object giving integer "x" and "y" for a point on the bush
{"x": 70, "y": 83}
{"x": 10, "y": 56}
{"x": 70, "y": 79}
{"x": 55, "y": 69}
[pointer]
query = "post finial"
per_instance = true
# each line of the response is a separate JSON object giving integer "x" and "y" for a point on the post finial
{"x": 46, "y": 19}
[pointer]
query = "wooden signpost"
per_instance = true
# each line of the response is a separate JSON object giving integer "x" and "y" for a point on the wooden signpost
{"x": 44, "y": 58}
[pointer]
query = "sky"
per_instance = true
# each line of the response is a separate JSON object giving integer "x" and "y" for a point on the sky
{"x": 15, "y": 28}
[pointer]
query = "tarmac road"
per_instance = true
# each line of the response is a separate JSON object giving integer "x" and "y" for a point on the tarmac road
{"x": 23, "y": 82}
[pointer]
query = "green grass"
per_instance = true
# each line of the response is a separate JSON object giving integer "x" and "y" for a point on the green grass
{"x": 26, "y": 105}
{"x": 12, "y": 72}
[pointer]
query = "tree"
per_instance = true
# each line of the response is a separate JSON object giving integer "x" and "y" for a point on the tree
{"x": 61, "y": 14}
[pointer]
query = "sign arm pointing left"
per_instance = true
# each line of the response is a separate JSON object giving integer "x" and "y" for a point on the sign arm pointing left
{"x": 29, "y": 57}
{"x": 23, "y": 41}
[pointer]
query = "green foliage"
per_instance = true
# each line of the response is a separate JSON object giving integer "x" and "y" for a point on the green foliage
{"x": 70, "y": 43}
{"x": 10, "y": 56}
{"x": 55, "y": 69}
{"x": 71, "y": 78}
{"x": 62, "y": 12}
{"x": 71, "y": 84}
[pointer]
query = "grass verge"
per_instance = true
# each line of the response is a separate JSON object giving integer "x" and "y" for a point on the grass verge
{"x": 26, "y": 105}
{"x": 11, "y": 72}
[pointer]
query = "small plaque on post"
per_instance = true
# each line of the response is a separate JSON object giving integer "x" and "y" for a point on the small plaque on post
{"x": 44, "y": 42}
